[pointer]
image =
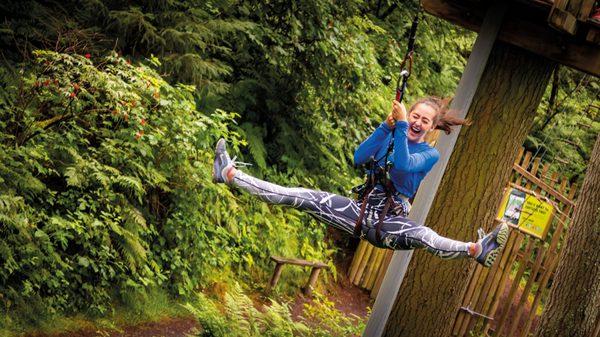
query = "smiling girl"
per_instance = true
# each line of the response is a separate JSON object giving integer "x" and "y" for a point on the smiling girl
{"x": 409, "y": 162}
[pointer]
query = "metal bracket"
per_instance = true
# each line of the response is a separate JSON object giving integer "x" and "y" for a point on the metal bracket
{"x": 475, "y": 313}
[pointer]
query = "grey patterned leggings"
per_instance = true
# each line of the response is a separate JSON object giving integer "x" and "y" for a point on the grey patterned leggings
{"x": 397, "y": 232}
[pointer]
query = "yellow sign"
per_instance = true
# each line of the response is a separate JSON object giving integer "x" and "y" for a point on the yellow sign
{"x": 532, "y": 215}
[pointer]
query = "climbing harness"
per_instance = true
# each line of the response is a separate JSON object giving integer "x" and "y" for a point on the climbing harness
{"x": 376, "y": 174}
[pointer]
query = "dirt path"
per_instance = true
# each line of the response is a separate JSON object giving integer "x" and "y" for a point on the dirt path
{"x": 170, "y": 327}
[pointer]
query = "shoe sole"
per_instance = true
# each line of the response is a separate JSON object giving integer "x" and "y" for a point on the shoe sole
{"x": 501, "y": 239}
{"x": 215, "y": 179}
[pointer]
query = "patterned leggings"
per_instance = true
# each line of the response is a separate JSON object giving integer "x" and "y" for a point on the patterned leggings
{"x": 397, "y": 232}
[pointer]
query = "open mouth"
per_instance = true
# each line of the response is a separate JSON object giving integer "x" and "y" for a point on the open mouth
{"x": 415, "y": 129}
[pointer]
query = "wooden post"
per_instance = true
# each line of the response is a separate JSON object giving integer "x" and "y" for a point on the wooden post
{"x": 462, "y": 102}
{"x": 312, "y": 280}
{"x": 275, "y": 278}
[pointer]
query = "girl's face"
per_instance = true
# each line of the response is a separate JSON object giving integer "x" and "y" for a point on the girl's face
{"x": 420, "y": 121}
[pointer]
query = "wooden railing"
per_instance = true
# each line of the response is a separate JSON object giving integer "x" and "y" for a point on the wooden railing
{"x": 503, "y": 300}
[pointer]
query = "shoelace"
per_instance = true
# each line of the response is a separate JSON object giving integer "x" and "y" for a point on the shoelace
{"x": 241, "y": 164}
{"x": 480, "y": 233}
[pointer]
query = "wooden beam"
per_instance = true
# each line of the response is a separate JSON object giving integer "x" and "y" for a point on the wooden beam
{"x": 542, "y": 184}
{"x": 299, "y": 262}
{"x": 525, "y": 26}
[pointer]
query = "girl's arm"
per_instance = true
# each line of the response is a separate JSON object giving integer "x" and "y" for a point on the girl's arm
{"x": 371, "y": 145}
{"x": 406, "y": 162}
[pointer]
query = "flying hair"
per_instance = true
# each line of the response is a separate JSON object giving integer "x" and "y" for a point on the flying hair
{"x": 445, "y": 118}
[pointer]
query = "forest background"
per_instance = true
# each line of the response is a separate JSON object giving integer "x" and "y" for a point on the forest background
{"x": 109, "y": 112}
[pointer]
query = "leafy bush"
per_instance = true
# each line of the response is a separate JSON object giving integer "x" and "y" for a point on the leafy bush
{"x": 327, "y": 321}
{"x": 106, "y": 189}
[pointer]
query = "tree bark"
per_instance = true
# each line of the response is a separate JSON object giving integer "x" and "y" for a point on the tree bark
{"x": 502, "y": 113}
{"x": 573, "y": 307}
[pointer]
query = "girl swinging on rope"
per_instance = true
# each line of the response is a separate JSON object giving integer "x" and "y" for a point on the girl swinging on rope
{"x": 410, "y": 159}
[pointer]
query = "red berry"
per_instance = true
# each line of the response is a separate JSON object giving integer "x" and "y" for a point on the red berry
{"x": 46, "y": 82}
{"x": 76, "y": 86}
{"x": 143, "y": 122}
{"x": 139, "y": 134}
{"x": 88, "y": 55}
{"x": 73, "y": 94}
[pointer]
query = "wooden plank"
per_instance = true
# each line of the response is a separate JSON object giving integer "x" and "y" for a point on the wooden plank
{"x": 538, "y": 295}
{"x": 543, "y": 175}
{"x": 462, "y": 316}
{"x": 593, "y": 35}
{"x": 358, "y": 256}
{"x": 526, "y": 160}
{"x": 585, "y": 10}
{"x": 380, "y": 275}
{"x": 543, "y": 185}
{"x": 504, "y": 269}
{"x": 370, "y": 280}
{"x": 275, "y": 277}
{"x": 572, "y": 192}
{"x": 483, "y": 272}
{"x": 363, "y": 265}
{"x": 519, "y": 155}
{"x": 505, "y": 278}
{"x": 368, "y": 268}
{"x": 533, "y": 170}
{"x": 525, "y": 26}
{"x": 514, "y": 287}
{"x": 312, "y": 281}
{"x": 555, "y": 179}
{"x": 563, "y": 21}
{"x": 525, "y": 295}
{"x": 299, "y": 262}
{"x": 371, "y": 265}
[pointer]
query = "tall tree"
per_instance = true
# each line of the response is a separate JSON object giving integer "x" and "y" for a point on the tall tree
{"x": 574, "y": 306}
{"x": 502, "y": 113}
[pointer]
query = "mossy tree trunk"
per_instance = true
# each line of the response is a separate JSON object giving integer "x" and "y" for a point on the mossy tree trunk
{"x": 573, "y": 308}
{"x": 502, "y": 112}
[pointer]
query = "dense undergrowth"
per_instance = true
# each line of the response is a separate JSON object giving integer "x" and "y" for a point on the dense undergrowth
{"x": 106, "y": 191}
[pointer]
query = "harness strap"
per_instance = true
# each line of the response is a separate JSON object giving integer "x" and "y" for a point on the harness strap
{"x": 389, "y": 201}
{"x": 361, "y": 215}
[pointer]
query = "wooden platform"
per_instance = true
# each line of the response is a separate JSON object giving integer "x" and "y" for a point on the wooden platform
{"x": 526, "y": 26}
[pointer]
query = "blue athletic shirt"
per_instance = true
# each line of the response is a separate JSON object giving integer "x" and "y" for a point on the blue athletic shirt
{"x": 410, "y": 161}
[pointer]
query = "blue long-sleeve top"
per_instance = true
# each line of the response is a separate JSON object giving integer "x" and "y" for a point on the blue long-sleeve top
{"x": 410, "y": 161}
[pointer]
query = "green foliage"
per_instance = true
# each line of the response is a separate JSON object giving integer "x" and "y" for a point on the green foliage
{"x": 239, "y": 317}
{"x": 327, "y": 321}
{"x": 106, "y": 190}
{"x": 567, "y": 123}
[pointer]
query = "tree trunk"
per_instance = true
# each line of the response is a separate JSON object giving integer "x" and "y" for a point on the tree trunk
{"x": 573, "y": 308}
{"x": 502, "y": 113}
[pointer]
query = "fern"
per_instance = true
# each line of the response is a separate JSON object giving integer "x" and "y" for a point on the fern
{"x": 254, "y": 137}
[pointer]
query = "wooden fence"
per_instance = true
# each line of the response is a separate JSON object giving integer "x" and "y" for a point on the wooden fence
{"x": 502, "y": 300}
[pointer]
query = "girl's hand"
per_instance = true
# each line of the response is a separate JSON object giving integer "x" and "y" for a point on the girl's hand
{"x": 399, "y": 111}
{"x": 389, "y": 120}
